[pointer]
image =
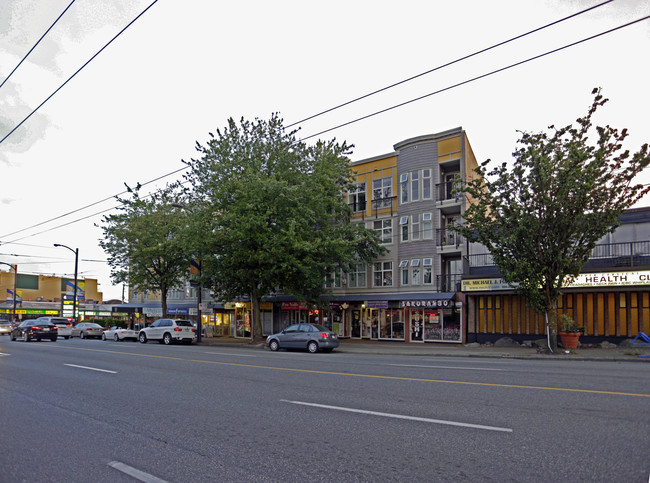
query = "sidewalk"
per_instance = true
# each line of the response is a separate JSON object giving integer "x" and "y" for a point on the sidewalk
{"x": 355, "y": 346}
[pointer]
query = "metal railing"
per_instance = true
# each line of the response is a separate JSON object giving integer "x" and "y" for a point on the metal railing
{"x": 446, "y": 237}
{"x": 607, "y": 255}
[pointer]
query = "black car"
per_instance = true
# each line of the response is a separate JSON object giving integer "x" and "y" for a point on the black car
{"x": 35, "y": 329}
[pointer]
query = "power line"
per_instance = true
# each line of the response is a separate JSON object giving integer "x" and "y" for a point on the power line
{"x": 338, "y": 126}
{"x": 89, "y": 206}
{"x": 39, "y": 41}
{"x": 447, "y": 64}
{"x": 331, "y": 109}
{"x": 78, "y": 70}
{"x": 475, "y": 78}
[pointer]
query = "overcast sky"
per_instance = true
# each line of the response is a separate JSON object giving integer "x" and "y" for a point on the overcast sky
{"x": 184, "y": 67}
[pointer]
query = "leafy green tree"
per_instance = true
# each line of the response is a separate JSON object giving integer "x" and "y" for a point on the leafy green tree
{"x": 542, "y": 217}
{"x": 271, "y": 215}
{"x": 145, "y": 242}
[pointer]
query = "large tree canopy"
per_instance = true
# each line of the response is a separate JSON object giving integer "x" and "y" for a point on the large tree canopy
{"x": 145, "y": 242}
{"x": 542, "y": 216}
{"x": 271, "y": 213}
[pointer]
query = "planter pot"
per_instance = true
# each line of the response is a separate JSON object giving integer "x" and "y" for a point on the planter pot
{"x": 569, "y": 339}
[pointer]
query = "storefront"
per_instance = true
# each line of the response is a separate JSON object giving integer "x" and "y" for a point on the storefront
{"x": 605, "y": 305}
{"x": 437, "y": 320}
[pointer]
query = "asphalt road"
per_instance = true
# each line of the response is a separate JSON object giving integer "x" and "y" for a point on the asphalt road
{"x": 92, "y": 411}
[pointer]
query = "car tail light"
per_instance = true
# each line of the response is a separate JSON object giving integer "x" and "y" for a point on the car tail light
{"x": 324, "y": 335}
{"x": 68, "y": 325}
{"x": 178, "y": 329}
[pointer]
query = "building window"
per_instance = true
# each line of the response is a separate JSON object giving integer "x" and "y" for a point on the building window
{"x": 384, "y": 229}
{"x": 426, "y": 184}
{"x": 415, "y": 185}
{"x": 357, "y": 197}
{"x": 357, "y": 278}
{"x": 333, "y": 279}
{"x": 404, "y": 228}
{"x": 427, "y": 226}
{"x": 404, "y": 269}
{"x": 415, "y": 227}
{"x": 383, "y": 274}
{"x": 427, "y": 269}
{"x": 382, "y": 192}
{"x": 404, "y": 187}
{"x": 415, "y": 272}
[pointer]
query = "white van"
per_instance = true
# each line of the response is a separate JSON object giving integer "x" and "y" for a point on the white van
{"x": 64, "y": 325}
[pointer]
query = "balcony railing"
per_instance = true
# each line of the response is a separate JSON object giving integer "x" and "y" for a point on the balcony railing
{"x": 448, "y": 283}
{"x": 607, "y": 255}
{"x": 444, "y": 192}
{"x": 379, "y": 206}
{"x": 446, "y": 237}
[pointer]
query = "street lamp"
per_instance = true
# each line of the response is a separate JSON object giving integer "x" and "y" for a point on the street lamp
{"x": 76, "y": 265}
{"x": 199, "y": 325}
{"x": 15, "y": 269}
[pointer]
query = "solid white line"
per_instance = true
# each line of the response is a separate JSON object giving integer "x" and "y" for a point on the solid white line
{"x": 3, "y": 354}
{"x": 448, "y": 367}
{"x": 401, "y": 416}
{"x": 90, "y": 368}
{"x": 134, "y": 473}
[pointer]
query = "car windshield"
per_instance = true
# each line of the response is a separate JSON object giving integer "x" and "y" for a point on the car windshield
{"x": 320, "y": 328}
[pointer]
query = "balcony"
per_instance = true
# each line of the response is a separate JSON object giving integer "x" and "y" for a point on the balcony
{"x": 448, "y": 241}
{"x": 378, "y": 207}
{"x": 448, "y": 283}
{"x": 446, "y": 201}
{"x": 607, "y": 256}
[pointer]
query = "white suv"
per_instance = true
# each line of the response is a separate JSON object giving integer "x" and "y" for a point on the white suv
{"x": 167, "y": 331}
{"x": 64, "y": 325}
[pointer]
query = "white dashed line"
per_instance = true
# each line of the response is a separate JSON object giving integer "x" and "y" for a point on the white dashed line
{"x": 90, "y": 368}
{"x": 135, "y": 473}
{"x": 401, "y": 416}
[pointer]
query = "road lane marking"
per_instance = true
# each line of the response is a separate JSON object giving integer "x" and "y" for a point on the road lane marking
{"x": 90, "y": 368}
{"x": 230, "y": 354}
{"x": 3, "y": 354}
{"x": 135, "y": 473}
{"x": 401, "y": 416}
{"x": 352, "y": 374}
{"x": 446, "y": 367}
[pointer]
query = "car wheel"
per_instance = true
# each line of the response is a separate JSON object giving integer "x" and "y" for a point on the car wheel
{"x": 66, "y": 337}
{"x": 312, "y": 346}
{"x": 26, "y": 337}
{"x": 103, "y": 336}
{"x": 167, "y": 339}
{"x": 117, "y": 339}
{"x": 274, "y": 345}
{"x": 81, "y": 335}
{"x": 142, "y": 338}
{"x": 53, "y": 339}
{"x": 12, "y": 337}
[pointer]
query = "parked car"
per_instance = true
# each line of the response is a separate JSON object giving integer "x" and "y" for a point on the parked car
{"x": 118, "y": 334}
{"x": 35, "y": 329}
{"x": 167, "y": 331}
{"x": 312, "y": 337}
{"x": 64, "y": 325}
{"x": 5, "y": 327}
{"x": 87, "y": 330}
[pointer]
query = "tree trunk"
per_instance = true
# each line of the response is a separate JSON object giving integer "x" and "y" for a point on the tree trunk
{"x": 163, "y": 298}
{"x": 256, "y": 322}
{"x": 551, "y": 326}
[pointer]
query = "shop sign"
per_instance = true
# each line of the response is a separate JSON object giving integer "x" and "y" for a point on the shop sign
{"x": 594, "y": 280}
{"x": 377, "y": 304}
{"x": 294, "y": 306}
{"x": 425, "y": 303}
{"x": 152, "y": 311}
{"x": 178, "y": 311}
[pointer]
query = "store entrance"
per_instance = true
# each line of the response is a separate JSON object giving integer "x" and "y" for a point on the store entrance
{"x": 417, "y": 326}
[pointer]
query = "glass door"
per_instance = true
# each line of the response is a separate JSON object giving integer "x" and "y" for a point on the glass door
{"x": 417, "y": 325}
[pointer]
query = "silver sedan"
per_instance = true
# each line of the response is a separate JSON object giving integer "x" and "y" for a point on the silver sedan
{"x": 312, "y": 337}
{"x": 87, "y": 330}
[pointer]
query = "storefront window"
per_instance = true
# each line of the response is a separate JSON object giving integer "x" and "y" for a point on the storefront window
{"x": 391, "y": 325}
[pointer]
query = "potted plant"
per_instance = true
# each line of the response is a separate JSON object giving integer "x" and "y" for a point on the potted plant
{"x": 569, "y": 332}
